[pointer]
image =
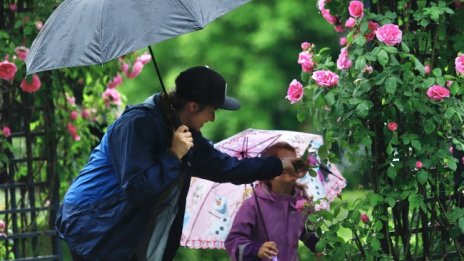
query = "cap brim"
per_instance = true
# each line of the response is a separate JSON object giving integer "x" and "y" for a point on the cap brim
{"x": 230, "y": 104}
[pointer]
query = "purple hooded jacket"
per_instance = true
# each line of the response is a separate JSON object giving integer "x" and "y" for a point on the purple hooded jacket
{"x": 284, "y": 223}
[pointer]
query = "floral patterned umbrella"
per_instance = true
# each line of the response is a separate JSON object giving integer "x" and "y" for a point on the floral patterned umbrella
{"x": 211, "y": 207}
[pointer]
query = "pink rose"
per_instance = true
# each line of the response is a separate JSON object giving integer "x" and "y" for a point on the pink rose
{"x": 295, "y": 92}
{"x": 343, "y": 41}
{"x": 7, "y": 70}
{"x": 32, "y": 85}
{"x": 85, "y": 114}
{"x": 328, "y": 17}
{"x": 73, "y": 115}
{"x": 71, "y": 100}
{"x": 367, "y": 69}
{"x": 136, "y": 69}
{"x": 350, "y": 23}
{"x": 373, "y": 26}
{"x": 427, "y": 69}
{"x": 321, "y": 4}
{"x": 6, "y": 131}
{"x": 306, "y": 46}
{"x": 364, "y": 218}
{"x": 323, "y": 205}
{"x": 305, "y": 59}
{"x": 144, "y": 58}
{"x": 339, "y": 28}
{"x": 438, "y": 93}
{"x": 312, "y": 160}
{"x": 73, "y": 131}
{"x": 449, "y": 83}
{"x": 325, "y": 78}
{"x": 21, "y": 52}
{"x": 389, "y": 34}
{"x": 13, "y": 7}
{"x": 300, "y": 204}
{"x": 356, "y": 9}
{"x": 392, "y": 126}
{"x": 451, "y": 149}
{"x": 111, "y": 96}
{"x": 2, "y": 225}
{"x": 343, "y": 61}
{"x": 418, "y": 164}
{"x": 38, "y": 25}
{"x": 115, "y": 82}
{"x": 459, "y": 64}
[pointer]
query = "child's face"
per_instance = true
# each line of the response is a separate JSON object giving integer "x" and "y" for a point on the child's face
{"x": 285, "y": 177}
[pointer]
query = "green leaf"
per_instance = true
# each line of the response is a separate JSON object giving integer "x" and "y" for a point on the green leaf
{"x": 422, "y": 177}
{"x": 419, "y": 66}
{"x": 301, "y": 113}
{"x": 390, "y": 49}
{"x": 375, "y": 244}
{"x": 360, "y": 64}
{"x": 404, "y": 47}
{"x": 304, "y": 76}
{"x": 452, "y": 164}
{"x": 391, "y": 201}
{"x": 449, "y": 113}
{"x": 429, "y": 126}
{"x": 454, "y": 88}
{"x": 382, "y": 57}
{"x": 391, "y": 172}
{"x": 416, "y": 145}
{"x": 436, "y": 72}
{"x": 362, "y": 109}
{"x": 390, "y": 85}
{"x": 461, "y": 224}
{"x": 361, "y": 40}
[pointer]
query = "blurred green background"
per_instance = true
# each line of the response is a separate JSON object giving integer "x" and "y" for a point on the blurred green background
{"x": 255, "y": 47}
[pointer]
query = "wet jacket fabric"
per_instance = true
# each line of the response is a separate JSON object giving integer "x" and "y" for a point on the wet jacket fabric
{"x": 285, "y": 226}
{"x": 128, "y": 202}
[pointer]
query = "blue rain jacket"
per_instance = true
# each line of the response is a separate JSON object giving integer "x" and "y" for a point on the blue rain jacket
{"x": 114, "y": 205}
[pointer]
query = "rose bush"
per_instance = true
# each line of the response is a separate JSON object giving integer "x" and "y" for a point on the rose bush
{"x": 394, "y": 96}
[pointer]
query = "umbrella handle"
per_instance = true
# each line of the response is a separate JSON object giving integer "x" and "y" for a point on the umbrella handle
{"x": 157, "y": 69}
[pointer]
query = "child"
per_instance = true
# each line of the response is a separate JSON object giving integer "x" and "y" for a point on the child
{"x": 268, "y": 225}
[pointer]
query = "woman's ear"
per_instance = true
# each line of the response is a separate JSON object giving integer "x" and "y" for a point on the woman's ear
{"x": 193, "y": 106}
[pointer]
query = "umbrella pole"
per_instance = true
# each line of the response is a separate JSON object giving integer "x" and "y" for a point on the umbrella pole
{"x": 157, "y": 69}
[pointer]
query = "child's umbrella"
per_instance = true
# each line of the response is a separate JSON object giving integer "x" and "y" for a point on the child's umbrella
{"x": 211, "y": 207}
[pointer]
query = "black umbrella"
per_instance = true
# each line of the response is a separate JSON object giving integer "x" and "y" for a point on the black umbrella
{"x": 86, "y": 32}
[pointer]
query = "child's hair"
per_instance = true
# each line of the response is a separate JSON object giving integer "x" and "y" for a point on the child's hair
{"x": 275, "y": 148}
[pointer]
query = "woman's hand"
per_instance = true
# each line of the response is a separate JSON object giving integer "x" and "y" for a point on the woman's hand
{"x": 181, "y": 142}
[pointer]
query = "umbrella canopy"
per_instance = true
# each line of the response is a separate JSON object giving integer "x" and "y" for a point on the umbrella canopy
{"x": 211, "y": 207}
{"x": 86, "y": 32}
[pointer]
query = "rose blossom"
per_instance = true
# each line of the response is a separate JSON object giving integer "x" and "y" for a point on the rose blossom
{"x": 6, "y": 131}
{"x": 73, "y": 115}
{"x": 367, "y": 69}
{"x": 144, "y": 58}
{"x": 32, "y": 86}
{"x": 343, "y": 41}
{"x": 392, "y": 126}
{"x": 136, "y": 69}
{"x": 343, "y": 61}
{"x": 115, "y": 82}
{"x": 306, "y": 46}
{"x": 21, "y": 52}
{"x": 459, "y": 64}
{"x": 111, "y": 96}
{"x": 364, "y": 218}
{"x": 372, "y": 29}
{"x": 13, "y": 7}
{"x": 38, "y": 25}
{"x": 449, "y": 83}
{"x": 356, "y": 9}
{"x": 306, "y": 61}
{"x": 300, "y": 204}
{"x": 85, "y": 114}
{"x": 325, "y": 78}
{"x": 389, "y": 34}
{"x": 438, "y": 93}
{"x": 427, "y": 69}
{"x": 295, "y": 92}
{"x": 73, "y": 131}
{"x": 451, "y": 149}
{"x": 339, "y": 28}
{"x": 418, "y": 164}
{"x": 329, "y": 17}
{"x": 321, "y": 4}
{"x": 7, "y": 70}
{"x": 350, "y": 23}
{"x": 323, "y": 205}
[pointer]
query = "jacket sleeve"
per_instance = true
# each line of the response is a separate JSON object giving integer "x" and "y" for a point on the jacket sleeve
{"x": 138, "y": 148}
{"x": 310, "y": 239}
{"x": 210, "y": 163}
{"x": 238, "y": 243}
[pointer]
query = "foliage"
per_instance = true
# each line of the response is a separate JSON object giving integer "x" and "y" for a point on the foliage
{"x": 396, "y": 104}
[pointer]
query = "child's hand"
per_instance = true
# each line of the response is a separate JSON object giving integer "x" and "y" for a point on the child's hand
{"x": 267, "y": 250}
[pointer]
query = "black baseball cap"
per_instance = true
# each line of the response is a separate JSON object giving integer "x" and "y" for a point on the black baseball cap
{"x": 205, "y": 86}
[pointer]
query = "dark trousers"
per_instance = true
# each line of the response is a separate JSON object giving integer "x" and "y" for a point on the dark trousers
{"x": 76, "y": 257}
